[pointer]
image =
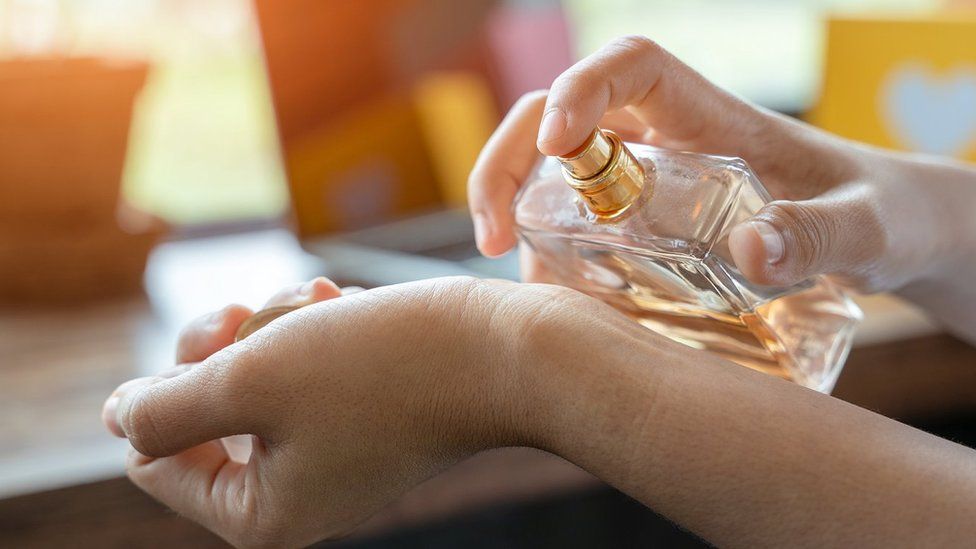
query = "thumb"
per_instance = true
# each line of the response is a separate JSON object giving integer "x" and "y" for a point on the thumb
{"x": 787, "y": 242}
{"x": 162, "y": 417}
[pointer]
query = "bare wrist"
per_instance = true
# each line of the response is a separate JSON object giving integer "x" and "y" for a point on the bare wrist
{"x": 586, "y": 374}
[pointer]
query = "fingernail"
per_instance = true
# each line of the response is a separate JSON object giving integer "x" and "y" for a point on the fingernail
{"x": 771, "y": 239}
{"x": 553, "y": 125}
{"x": 110, "y": 416}
{"x": 482, "y": 229}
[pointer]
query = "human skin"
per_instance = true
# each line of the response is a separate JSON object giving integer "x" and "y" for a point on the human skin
{"x": 355, "y": 399}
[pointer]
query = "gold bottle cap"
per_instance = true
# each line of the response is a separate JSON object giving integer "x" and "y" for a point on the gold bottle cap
{"x": 590, "y": 158}
{"x": 605, "y": 173}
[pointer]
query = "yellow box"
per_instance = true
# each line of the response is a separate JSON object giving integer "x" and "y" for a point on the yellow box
{"x": 457, "y": 115}
{"x": 368, "y": 167}
{"x": 907, "y": 84}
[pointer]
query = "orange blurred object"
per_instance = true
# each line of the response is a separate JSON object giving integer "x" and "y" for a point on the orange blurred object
{"x": 64, "y": 126}
{"x": 342, "y": 76}
{"x": 382, "y": 106}
{"x": 325, "y": 56}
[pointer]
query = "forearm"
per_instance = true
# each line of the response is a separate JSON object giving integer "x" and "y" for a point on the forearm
{"x": 744, "y": 459}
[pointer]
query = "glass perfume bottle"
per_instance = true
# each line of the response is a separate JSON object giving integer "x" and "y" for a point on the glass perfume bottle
{"x": 646, "y": 230}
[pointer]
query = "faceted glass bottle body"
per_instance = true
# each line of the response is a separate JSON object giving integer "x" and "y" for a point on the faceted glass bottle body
{"x": 665, "y": 262}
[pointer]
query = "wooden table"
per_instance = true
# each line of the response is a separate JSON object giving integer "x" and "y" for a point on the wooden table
{"x": 57, "y": 366}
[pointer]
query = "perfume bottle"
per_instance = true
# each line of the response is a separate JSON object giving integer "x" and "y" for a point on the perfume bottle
{"x": 646, "y": 231}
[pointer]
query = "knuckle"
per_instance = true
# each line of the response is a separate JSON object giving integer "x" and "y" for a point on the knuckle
{"x": 592, "y": 72}
{"x": 141, "y": 424}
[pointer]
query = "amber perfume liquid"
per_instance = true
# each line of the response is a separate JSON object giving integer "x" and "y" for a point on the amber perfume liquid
{"x": 663, "y": 260}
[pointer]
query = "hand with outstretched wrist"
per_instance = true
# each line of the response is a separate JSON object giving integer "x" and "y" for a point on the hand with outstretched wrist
{"x": 352, "y": 400}
{"x": 874, "y": 220}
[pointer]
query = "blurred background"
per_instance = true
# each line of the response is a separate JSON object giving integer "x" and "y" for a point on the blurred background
{"x": 162, "y": 158}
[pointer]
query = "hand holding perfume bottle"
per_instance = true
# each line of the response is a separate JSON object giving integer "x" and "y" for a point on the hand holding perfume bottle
{"x": 842, "y": 208}
{"x": 866, "y": 217}
{"x": 647, "y": 231}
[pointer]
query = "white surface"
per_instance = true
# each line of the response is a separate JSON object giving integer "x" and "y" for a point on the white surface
{"x": 188, "y": 278}
{"x": 100, "y": 460}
